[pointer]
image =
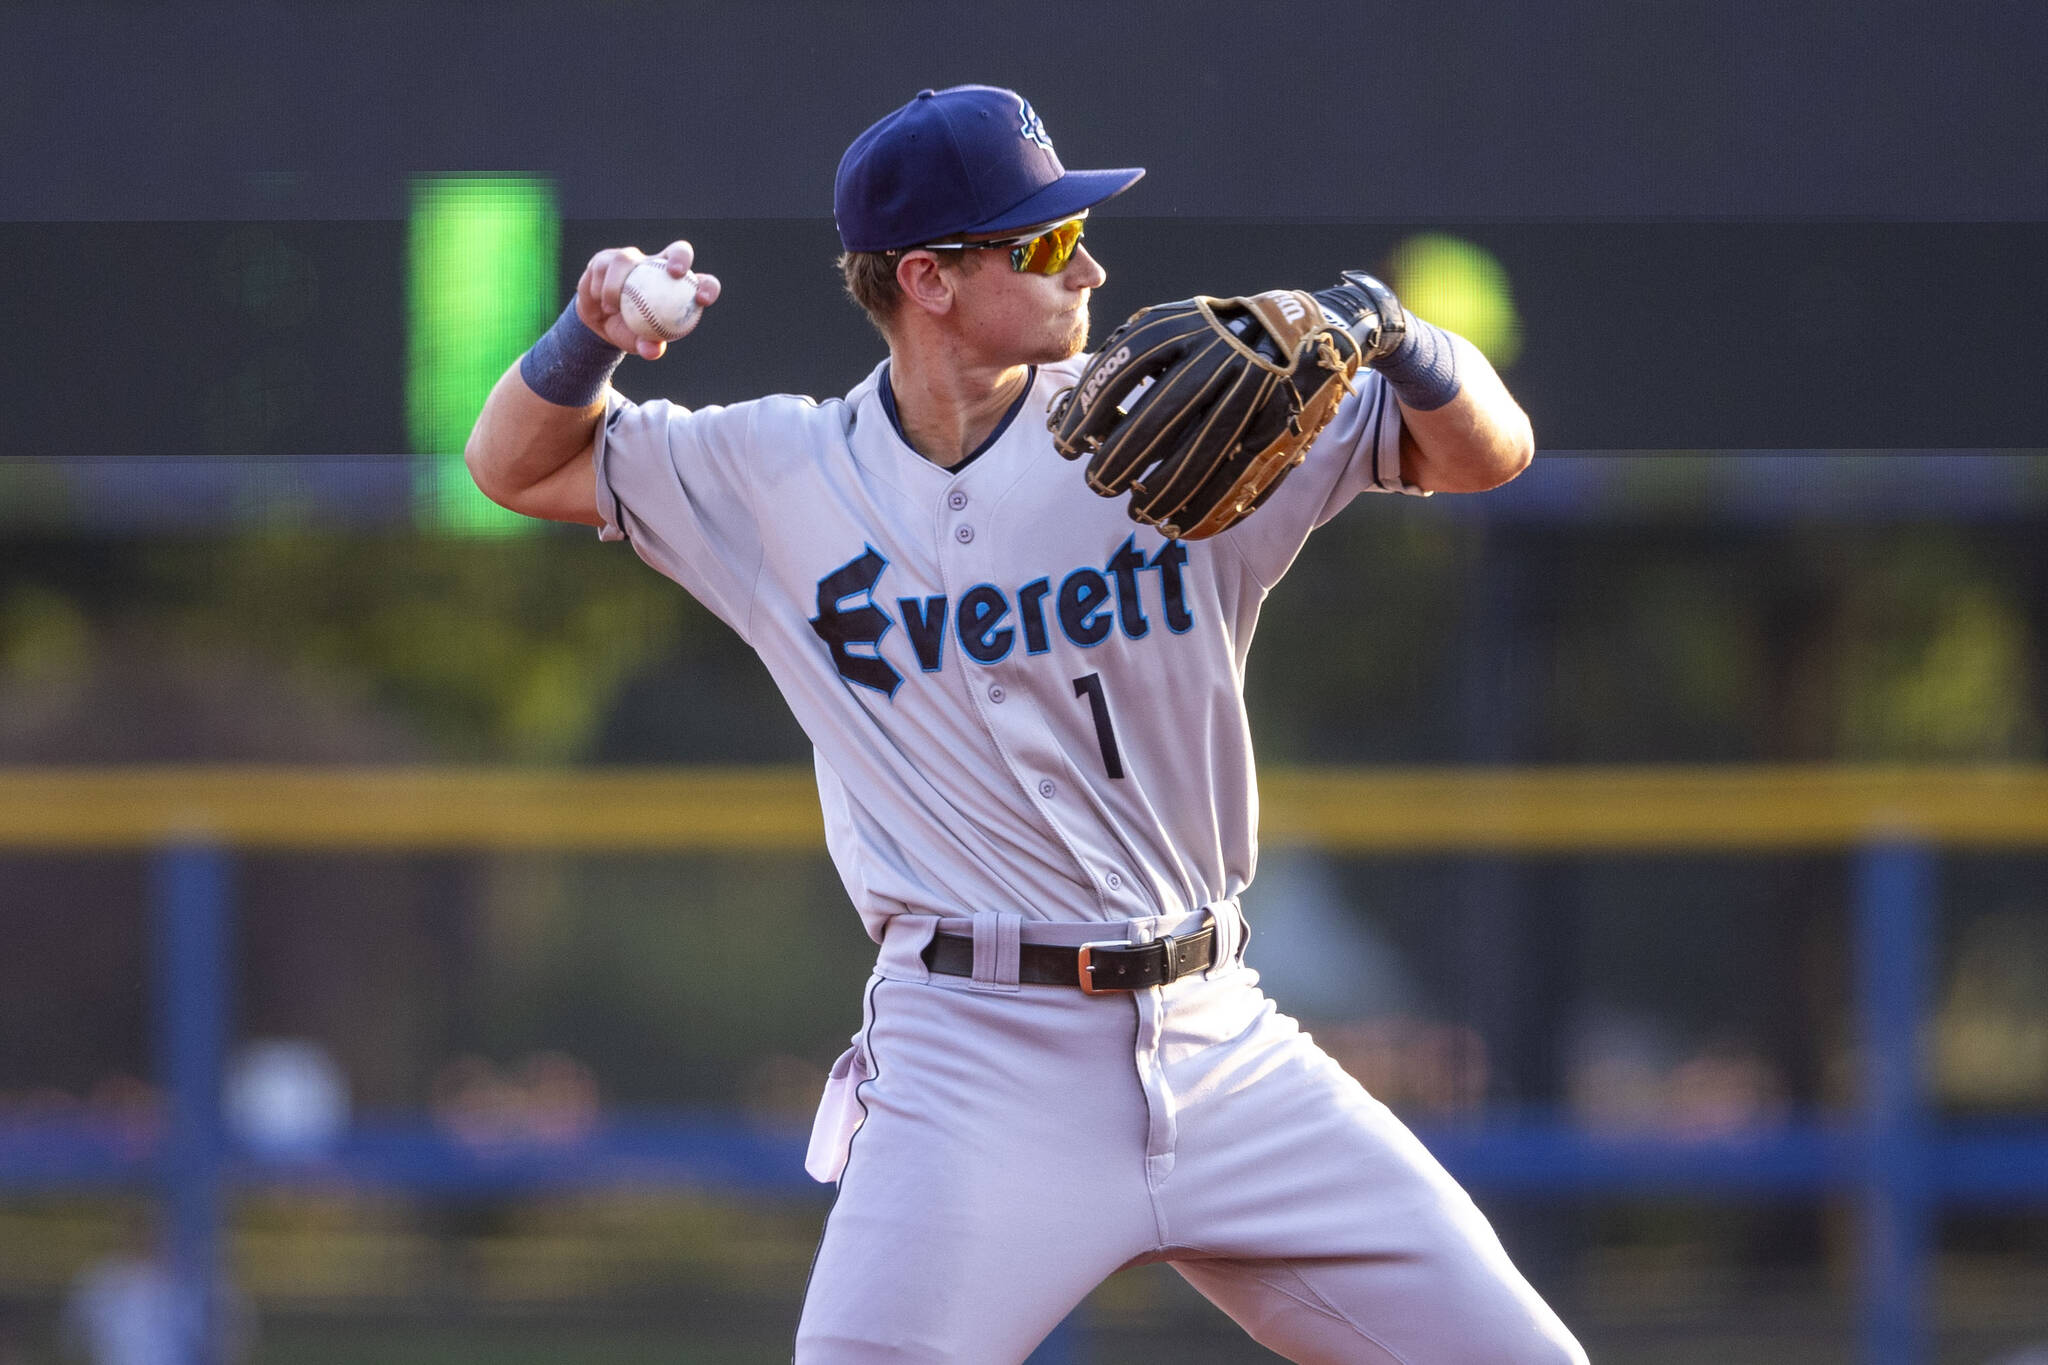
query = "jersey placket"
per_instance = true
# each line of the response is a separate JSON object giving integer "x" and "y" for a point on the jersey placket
{"x": 968, "y": 556}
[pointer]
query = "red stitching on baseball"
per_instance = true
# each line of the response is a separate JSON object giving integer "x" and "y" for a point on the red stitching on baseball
{"x": 631, "y": 294}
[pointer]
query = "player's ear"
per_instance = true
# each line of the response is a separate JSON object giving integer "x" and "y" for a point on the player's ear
{"x": 924, "y": 284}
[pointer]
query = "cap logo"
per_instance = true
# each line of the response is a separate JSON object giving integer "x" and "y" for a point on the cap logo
{"x": 1033, "y": 126}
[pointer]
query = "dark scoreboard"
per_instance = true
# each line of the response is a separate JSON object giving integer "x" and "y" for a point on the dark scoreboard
{"x": 290, "y": 337}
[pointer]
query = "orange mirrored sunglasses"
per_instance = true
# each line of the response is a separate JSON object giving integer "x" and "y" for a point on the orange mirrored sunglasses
{"x": 1040, "y": 253}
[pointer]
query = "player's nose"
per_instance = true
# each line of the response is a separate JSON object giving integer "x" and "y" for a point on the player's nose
{"x": 1084, "y": 271}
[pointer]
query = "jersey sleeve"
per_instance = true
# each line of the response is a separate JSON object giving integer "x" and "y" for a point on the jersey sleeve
{"x": 1358, "y": 452}
{"x": 672, "y": 482}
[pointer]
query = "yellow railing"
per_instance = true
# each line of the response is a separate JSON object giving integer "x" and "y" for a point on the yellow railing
{"x": 1531, "y": 810}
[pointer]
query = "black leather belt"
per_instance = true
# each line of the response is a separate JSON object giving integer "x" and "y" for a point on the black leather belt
{"x": 1096, "y": 968}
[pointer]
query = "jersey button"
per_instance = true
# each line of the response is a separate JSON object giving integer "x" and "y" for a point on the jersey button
{"x": 996, "y": 693}
{"x": 964, "y": 534}
{"x": 1113, "y": 882}
{"x": 1046, "y": 789}
{"x": 956, "y": 500}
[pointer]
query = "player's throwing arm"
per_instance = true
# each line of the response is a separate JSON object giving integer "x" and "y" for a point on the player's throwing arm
{"x": 532, "y": 446}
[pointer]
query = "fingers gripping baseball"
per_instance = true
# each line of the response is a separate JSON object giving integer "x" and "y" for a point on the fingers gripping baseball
{"x": 642, "y": 315}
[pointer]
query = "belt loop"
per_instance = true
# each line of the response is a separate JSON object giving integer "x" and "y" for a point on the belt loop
{"x": 997, "y": 935}
{"x": 1231, "y": 933}
{"x": 903, "y": 943}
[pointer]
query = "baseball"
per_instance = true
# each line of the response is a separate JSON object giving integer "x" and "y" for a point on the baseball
{"x": 655, "y": 304}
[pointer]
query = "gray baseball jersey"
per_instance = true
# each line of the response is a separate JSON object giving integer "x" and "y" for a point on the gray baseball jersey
{"x": 1020, "y": 699}
{"x": 1029, "y": 726}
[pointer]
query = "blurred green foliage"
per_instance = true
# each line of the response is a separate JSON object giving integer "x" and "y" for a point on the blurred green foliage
{"x": 504, "y": 651}
{"x": 490, "y": 650}
{"x": 1400, "y": 635}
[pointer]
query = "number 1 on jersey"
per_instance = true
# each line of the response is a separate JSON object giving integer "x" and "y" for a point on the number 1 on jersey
{"x": 1105, "y": 733}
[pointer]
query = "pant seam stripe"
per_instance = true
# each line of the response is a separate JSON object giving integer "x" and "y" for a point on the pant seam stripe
{"x": 867, "y": 1047}
{"x": 1316, "y": 1303}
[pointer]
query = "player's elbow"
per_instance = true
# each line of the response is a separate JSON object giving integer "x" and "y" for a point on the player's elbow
{"x": 494, "y": 468}
{"x": 1514, "y": 449}
{"x": 499, "y": 456}
{"x": 485, "y": 471}
{"x": 552, "y": 480}
{"x": 1498, "y": 452}
{"x": 1476, "y": 462}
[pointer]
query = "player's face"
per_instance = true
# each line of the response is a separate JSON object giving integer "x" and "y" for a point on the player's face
{"x": 1018, "y": 317}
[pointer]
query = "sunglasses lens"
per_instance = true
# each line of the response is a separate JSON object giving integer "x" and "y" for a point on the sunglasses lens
{"x": 1049, "y": 252}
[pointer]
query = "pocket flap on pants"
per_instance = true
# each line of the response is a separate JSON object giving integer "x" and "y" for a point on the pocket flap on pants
{"x": 839, "y": 1117}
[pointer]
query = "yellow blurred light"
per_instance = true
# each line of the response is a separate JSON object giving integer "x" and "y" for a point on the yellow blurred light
{"x": 1459, "y": 285}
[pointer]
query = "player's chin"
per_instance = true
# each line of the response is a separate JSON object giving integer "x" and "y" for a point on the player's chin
{"x": 1073, "y": 336}
{"x": 1062, "y": 338}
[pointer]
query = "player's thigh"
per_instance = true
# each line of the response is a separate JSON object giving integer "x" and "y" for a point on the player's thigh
{"x": 997, "y": 1177}
{"x": 916, "y": 1285}
{"x": 1314, "y": 1217}
{"x": 1363, "y": 1312}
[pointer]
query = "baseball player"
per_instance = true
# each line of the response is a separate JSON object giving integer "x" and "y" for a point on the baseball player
{"x": 1037, "y": 781}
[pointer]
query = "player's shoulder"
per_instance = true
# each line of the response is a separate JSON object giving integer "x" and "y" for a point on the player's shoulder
{"x": 820, "y": 419}
{"x": 795, "y": 428}
{"x": 773, "y": 422}
{"x": 794, "y": 411}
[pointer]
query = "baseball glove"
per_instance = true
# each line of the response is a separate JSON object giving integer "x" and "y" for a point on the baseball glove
{"x": 1198, "y": 409}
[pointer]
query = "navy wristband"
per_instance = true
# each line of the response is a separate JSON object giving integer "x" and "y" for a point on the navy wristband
{"x": 1423, "y": 369}
{"x": 570, "y": 365}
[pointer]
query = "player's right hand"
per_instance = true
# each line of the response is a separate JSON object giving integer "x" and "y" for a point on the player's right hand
{"x": 597, "y": 293}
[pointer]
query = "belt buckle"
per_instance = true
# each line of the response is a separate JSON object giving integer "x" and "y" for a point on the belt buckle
{"x": 1084, "y": 962}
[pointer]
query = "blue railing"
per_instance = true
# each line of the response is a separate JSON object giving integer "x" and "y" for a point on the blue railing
{"x": 1891, "y": 1156}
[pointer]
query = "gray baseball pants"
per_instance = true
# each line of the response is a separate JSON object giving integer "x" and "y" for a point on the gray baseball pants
{"x": 1002, "y": 1149}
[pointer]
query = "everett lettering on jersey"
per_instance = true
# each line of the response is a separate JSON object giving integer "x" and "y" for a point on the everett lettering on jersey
{"x": 987, "y": 620}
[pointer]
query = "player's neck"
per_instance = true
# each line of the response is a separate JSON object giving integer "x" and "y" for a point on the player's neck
{"x": 948, "y": 411}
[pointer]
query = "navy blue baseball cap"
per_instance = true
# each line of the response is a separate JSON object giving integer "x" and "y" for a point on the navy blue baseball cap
{"x": 971, "y": 158}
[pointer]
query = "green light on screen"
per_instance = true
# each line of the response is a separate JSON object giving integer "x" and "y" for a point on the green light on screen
{"x": 1462, "y": 286}
{"x": 481, "y": 257}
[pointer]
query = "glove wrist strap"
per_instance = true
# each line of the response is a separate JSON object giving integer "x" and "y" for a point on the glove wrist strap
{"x": 1369, "y": 311}
{"x": 1419, "y": 361}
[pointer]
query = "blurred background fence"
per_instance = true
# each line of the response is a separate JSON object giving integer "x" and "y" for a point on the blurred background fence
{"x": 412, "y": 921}
{"x": 1718, "y": 1128}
